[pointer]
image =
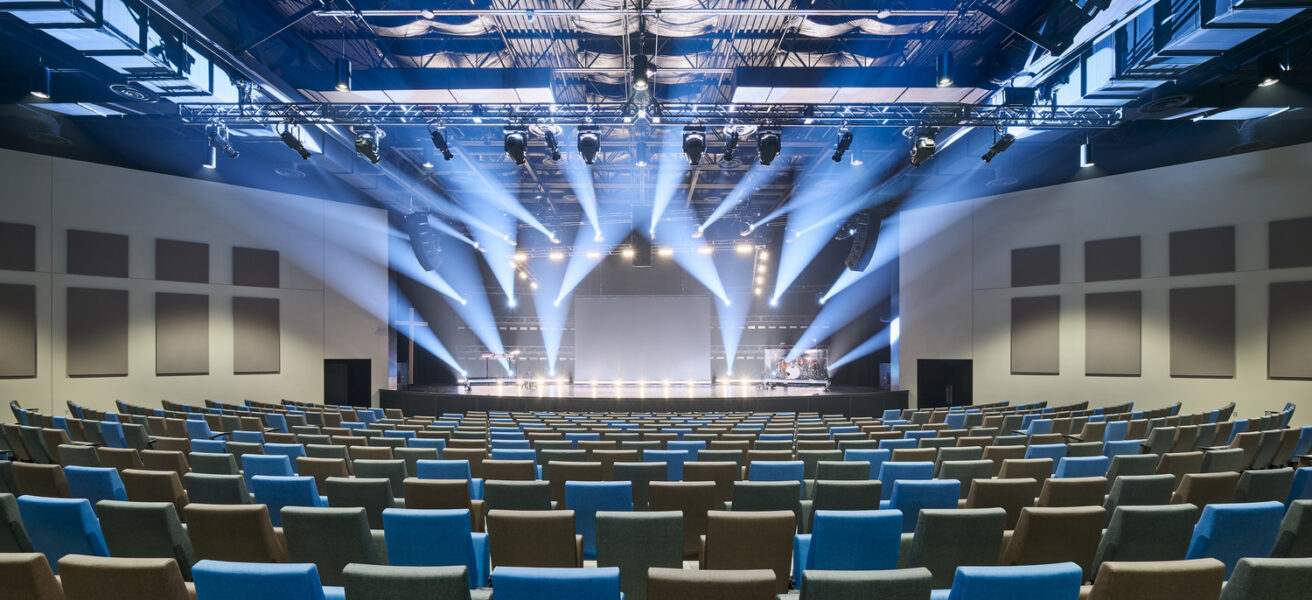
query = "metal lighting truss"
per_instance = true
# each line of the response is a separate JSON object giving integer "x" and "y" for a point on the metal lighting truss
{"x": 851, "y": 115}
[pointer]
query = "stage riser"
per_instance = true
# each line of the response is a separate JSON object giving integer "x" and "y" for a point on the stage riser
{"x": 872, "y": 404}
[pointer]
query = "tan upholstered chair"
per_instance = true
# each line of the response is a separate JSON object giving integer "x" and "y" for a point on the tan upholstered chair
{"x": 750, "y": 540}
{"x": 1073, "y": 491}
{"x": 1040, "y": 469}
{"x": 722, "y": 473}
{"x": 1011, "y": 495}
{"x": 27, "y": 575}
{"x": 119, "y": 458}
{"x": 688, "y": 584}
{"x": 558, "y": 472}
{"x": 1001, "y": 454}
{"x": 534, "y": 538}
{"x": 608, "y": 458}
{"x": 1201, "y": 489}
{"x": 233, "y": 532}
{"x": 40, "y": 480}
{"x": 1152, "y": 580}
{"x": 166, "y": 460}
{"x": 369, "y": 452}
{"x": 443, "y": 494}
{"x": 321, "y": 469}
{"x": 1179, "y": 464}
{"x": 509, "y": 470}
{"x": 1052, "y": 535}
{"x": 154, "y": 486}
{"x": 103, "y": 578}
{"x": 693, "y": 499}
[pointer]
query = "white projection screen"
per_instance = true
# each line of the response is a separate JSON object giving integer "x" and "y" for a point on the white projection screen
{"x": 650, "y": 338}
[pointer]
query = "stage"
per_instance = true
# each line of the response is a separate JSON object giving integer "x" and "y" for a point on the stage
{"x": 435, "y": 400}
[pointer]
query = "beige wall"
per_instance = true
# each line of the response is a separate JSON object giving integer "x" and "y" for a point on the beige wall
{"x": 956, "y": 294}
{"x": 333, "y": 292}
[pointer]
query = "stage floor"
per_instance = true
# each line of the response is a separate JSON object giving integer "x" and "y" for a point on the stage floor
{"x": 651, "y": 390}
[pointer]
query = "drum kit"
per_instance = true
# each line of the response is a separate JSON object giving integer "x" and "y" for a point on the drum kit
{"x": 801, "y": 368}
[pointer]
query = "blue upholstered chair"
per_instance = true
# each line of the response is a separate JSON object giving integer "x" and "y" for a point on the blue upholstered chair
{"x": 277, "y": 421}
{"x": 911, "y": 496}
{"x": 776, "y": 470}
{"x": 199, "y": 429}
{"x": 434, "y": 443}
{"x": 1229, "y": 532}
{"x": 499, "y": 445}
{"x": 585, "y": 498}
{"x": 1038, "y": 427}
{"x": 1122, "y": 447}
{"x": 892, "y": 472}
{"x": 514, "y": 454}
{"x": 279, "y": 491}
{"x": 1083, "y": 466}
{"x": 248, "y": 437}
{"x": 578, "y": 436}
{"x": 843, "y": 429}
{"x": 876, "y": 458}
{"x": 95, "y": 483}
{"x": 849, "y": 540}
{"x": 61, "y": 526}
{"x": 528, "y": 583}
{"x": 1302, "y": 488}
{"x": 673, "y": 460}
{"x": 263, "y": 464}
{"x": 689, "y": 446}
{"x": 899, "y": 444}
{"x": 221, "y": 580}
{"x": 209, "y": 446}
{"x": 892, "y": 413}
{"x": 291, "y": 451}
{"x": 1058, "y": 581}
{"x": 400, "y": 433}
{"x": 450, "y": 469}
{"x": 919, "y": 435}
{"x": 112, "y": 432}
{"x": 435, "y": 538}
{"x": 956, "y": 420}
{"x": 1115, "y": 431}
{"x": 1053, "y": 451}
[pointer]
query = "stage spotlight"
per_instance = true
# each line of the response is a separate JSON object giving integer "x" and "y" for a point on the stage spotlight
{"x": 218, "y": 136}
{"x": 665, "y": 251}
{"x": 511, "y": 302}
{"x": 439, "y": 142}
{"x": 367, "y": 143}
{"x": 289, "y": 138}
{"x": 944, "y": 70}
{"x": 627, "y": 252}
{"x": 211, "y": 157}
{"x": 706, "y": 249}
{"x": 520, "y": 257}
{"x": 517, "y": 144}
{"x": 589, "y": 142}
{"x": 743, "y": 248}
{"x": 844, "y": 142}
{"x": 923, "y": 148}
{"x": 642, "y": 72}
{"x": 553, "y": 147}
{"x": 640, "y": 154}
{"x": 1272, "y": 71}
{"x": 694, "y": 143}
{"x": 556, "y": 255}
{"x": 342, "y": 75}
{"x": 808, "y": 115}
{"x": 41, "y": 82}
{"x": 768, "y": 145}
{"x": 1086, "y": 156}
{"x": 594, "y": 254}
{"x": 730, "y": 146}
{"x": 1000, "y": 145}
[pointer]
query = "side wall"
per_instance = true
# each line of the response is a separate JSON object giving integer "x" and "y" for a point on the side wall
{"x": 956, "y": 287}
{"x": 332, "y": 292}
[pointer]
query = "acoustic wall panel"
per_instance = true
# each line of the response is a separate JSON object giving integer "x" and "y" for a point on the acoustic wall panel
{"x": 97, "y": 332}
{"x": 1203, "y": 251}
{"x": 1036, "y": 266}
{"x": 256, "y": 338}
{"x": 1289, "y": 335}
{"x": 1203, "y": 331}
{"x": 182, "y": 261}
{"x": 1108, "y": 260}
{"x": 182, "y": 334}
{"x": 1113, "y": 328}
{"x": 254, "y": 267}
{"x": 17, "y": 330}
{"x": 17, "y": 247}
{"x": 1290, "y": 243}
{"x": 1035, "y": 328}
{"x": 95, "y": 253}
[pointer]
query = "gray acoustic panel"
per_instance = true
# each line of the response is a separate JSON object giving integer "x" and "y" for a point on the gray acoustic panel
{"x": 182, "y": 334}
{"x": 1201, "y": 251}
{"x": 1035, "y": 335}
{"x": 97, "y": 336}
{"x": 1036, "y": 266}
{"x": 1289, "y": 337}
{"x": 95, "y": 253}
{"x": 18, "y": 330}
{"x": 256, "y": 338}
{"x": 1108, "y": 260}
{"x": 1290, "y": 243}
{"x": 182, "y": 261}
{"x": 254, "y": 267}
{"x": 1203, "y": 331}
{"x": 1113, "y": 332}
{"x": 17, "y": 247}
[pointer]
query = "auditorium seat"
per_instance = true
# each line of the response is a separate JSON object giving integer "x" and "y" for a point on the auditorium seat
{"x": 1046, "y": 535}
{"x": 896, "y": 584}
{"x": 749, "y": 540}
{"x": 641, "y": 475}
{"x": 766, "y": 496}
{"x": 155, "y": 486}
{"x": 694, "y": 499}
{"x": 321, "y": 469}
{"x": 1083, "y": 466}
{"x": 28, "y": 575}
{"x": 1039, "y": 469}
{"x": 378, "y": 582}
{"x": 892, "y": 472}
{"x": 451, "y": 469}
{"x": 529, "y": 538}
{"x": 1229, "y": 532}
{"x": 78, "y": 455}
{"x": 1302, "y": 486}
{"x": 876, "y": 458}
{"x": 13, "y": 538}
{"x": 412, "y": 456}
{"x": 1295, "y": 537}
{"x": 1272, "y": 485}
{"x": 585, "y": 498}
{"x": 276, "y": 465}
{"x": 374, "y": 494}
{"x": 849, "y": 541}
{"x": 910, "y": 497}
{"x": 103, "y": 578}
{"x": 437, "y": 538}
{"x": 1177, "y": 579}
{"x": 1147, "y": 533}
{"x": 1011, "y": 495}
{"x": 1264, "y": 578}
{"x": 60, "y": 526}
{"x": 146, "y": 530}
{"x": 956, "y": 453}
{"x": 206, "y": 488}
{"x": 233, "y": 533}
{"x": 219, "y": 580}
{"x": 165, "y": 460}
{"x": 1134, "y": 465}
{"x": 637, "y": 541}
{"x": 40, "y": 480}
{"x": 965, "y": 471}
{"x": 1201, "y": 489}
{"x": 836, "y": 470}
{"x": 524, "y": 583}
{"x": 947, "y": 539}
{"x": 724, "y": 474}
{"x": 446, "y": 494}
{"x": 394, "y": 470}
{"x": 517, "y": 495}
{"x": 94, "y": 483}
{"x": 1055, "y": 581}
{"x": 608, "y": 458}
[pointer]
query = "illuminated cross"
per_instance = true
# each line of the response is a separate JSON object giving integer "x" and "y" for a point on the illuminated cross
{"x": 412, "y": 324}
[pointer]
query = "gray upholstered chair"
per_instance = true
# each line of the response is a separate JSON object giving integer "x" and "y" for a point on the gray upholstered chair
{"x": 965, "y": 471}
{"x": 145, "y": 530}
{"x": 1147, "y": 533}
{"x": 946, "y": 539}
{"x": 1139, "y": 490}
{"x": 331, "y": 538}
{"x": 1132, "y": 465}
{"x": 766, "y": 496}
{"x": 1265, "y": 485}
{"x": 392, "y": 470}
{"x": 215, "y": 464}
{"x": 636, "y": 542}
{"x": 840, "y": 495}
{"x": 642, "y": 474}
{"x": 206, "y": 488}
{"x": 893, "y": 584}
{"x": 14, "y": 537}
{"x": 517, "y": 495}
{"x": 1295, "y": 537}
{"x": 1223, "y": 461}
{"x": 378, "y": 582}
{"x": 1265, "y": 578}
{"x": 373, "y": 494}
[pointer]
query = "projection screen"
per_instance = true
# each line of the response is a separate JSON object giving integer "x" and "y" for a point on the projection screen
{"x": 650, "y": 338}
